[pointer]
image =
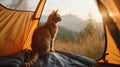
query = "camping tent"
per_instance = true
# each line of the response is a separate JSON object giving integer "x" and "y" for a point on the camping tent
{"x": 16, "y": 29}
{"x": 110, "y": 11}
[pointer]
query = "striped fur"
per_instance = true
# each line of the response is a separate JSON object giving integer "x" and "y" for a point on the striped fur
{"x": 43, "y": 38}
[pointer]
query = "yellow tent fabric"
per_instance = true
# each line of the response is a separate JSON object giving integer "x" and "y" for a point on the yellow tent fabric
{"x": 111, "y": 17}
{"x": 16, "y": 28}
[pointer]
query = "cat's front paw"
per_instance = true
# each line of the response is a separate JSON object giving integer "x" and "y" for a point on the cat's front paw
{"x": 52, "y": 50}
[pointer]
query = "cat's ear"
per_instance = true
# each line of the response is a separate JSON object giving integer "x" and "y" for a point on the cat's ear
{"x": 56, "y": 11}
{"x": 53, "y": 11}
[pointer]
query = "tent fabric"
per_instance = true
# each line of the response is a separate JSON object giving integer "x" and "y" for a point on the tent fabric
{"x": 16, "y": 28}
{"x": 111, "y": 17}
{"x": 39, "y": 9}
{"x": 52, "y": 59}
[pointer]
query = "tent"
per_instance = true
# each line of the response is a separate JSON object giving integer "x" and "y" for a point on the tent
{"x": 16, "y": 29}
{"x": 110, "y": 12}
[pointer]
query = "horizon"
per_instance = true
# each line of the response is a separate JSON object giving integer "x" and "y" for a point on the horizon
{"x": 75, "y": 17}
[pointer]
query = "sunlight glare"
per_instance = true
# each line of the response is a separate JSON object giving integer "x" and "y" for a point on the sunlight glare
{"x": 111, "y": 14}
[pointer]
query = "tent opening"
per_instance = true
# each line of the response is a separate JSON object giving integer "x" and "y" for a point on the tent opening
{"x": 81, "y": 30}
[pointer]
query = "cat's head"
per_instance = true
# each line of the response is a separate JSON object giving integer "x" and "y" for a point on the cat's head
{"x": 54, "y": 16}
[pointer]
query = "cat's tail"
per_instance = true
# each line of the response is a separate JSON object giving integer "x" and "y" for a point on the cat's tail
{"x": 32, "y": 60}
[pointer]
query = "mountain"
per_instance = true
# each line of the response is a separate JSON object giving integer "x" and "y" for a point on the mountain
{"x": 73, "y": 23}
{"x": 66, "y": 34}
{"x": 70, "y": 22}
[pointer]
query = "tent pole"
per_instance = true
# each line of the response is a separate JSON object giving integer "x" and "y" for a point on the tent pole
{"x": 39, "y": 9}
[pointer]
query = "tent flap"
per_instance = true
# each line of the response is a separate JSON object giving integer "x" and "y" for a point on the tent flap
{"x": 111, "y": 18}
{"x": 15, "y": 27}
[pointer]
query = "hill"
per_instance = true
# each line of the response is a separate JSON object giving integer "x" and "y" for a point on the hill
{"x": 73, "y": 23}
{"x": 70, "y": 22}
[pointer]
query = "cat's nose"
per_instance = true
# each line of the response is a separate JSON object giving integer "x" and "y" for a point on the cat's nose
{"x": 59, "y": 19}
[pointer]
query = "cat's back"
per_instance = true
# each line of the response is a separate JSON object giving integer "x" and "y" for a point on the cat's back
{"x": 41, "y": 40}
{"x": 42, "y": 31}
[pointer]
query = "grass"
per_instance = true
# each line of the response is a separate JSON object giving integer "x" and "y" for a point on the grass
{"x": 91, "y": 46}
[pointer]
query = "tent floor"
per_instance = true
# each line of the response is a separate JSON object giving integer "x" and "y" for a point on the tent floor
{"x": 52, "y": 59}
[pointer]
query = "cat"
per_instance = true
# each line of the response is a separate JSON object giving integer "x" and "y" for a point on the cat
{"x": 43, "y": 38}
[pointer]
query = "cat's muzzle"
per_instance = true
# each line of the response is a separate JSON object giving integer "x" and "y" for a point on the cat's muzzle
{"x": 59, "y": 19}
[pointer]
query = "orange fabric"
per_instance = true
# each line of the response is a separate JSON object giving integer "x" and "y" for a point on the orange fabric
{"x": 16, "y": 28}
{"x": 113, "y": 56}
{"x": 113, "y": 50}
{"x": 113, "y": 10}
{"x": 28, "y": 39}
{"x": 39, "y": 9}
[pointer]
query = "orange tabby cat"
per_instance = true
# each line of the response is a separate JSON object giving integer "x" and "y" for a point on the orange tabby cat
{"x": 43, "y": 38}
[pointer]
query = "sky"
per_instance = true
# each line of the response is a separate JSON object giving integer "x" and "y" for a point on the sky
{"x": 80, "y": 8}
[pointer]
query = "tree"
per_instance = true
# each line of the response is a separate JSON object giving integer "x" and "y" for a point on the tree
{"x": 89, "y": 31}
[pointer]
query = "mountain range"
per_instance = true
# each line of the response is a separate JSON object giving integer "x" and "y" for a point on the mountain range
{"x": 73, "y": 23}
